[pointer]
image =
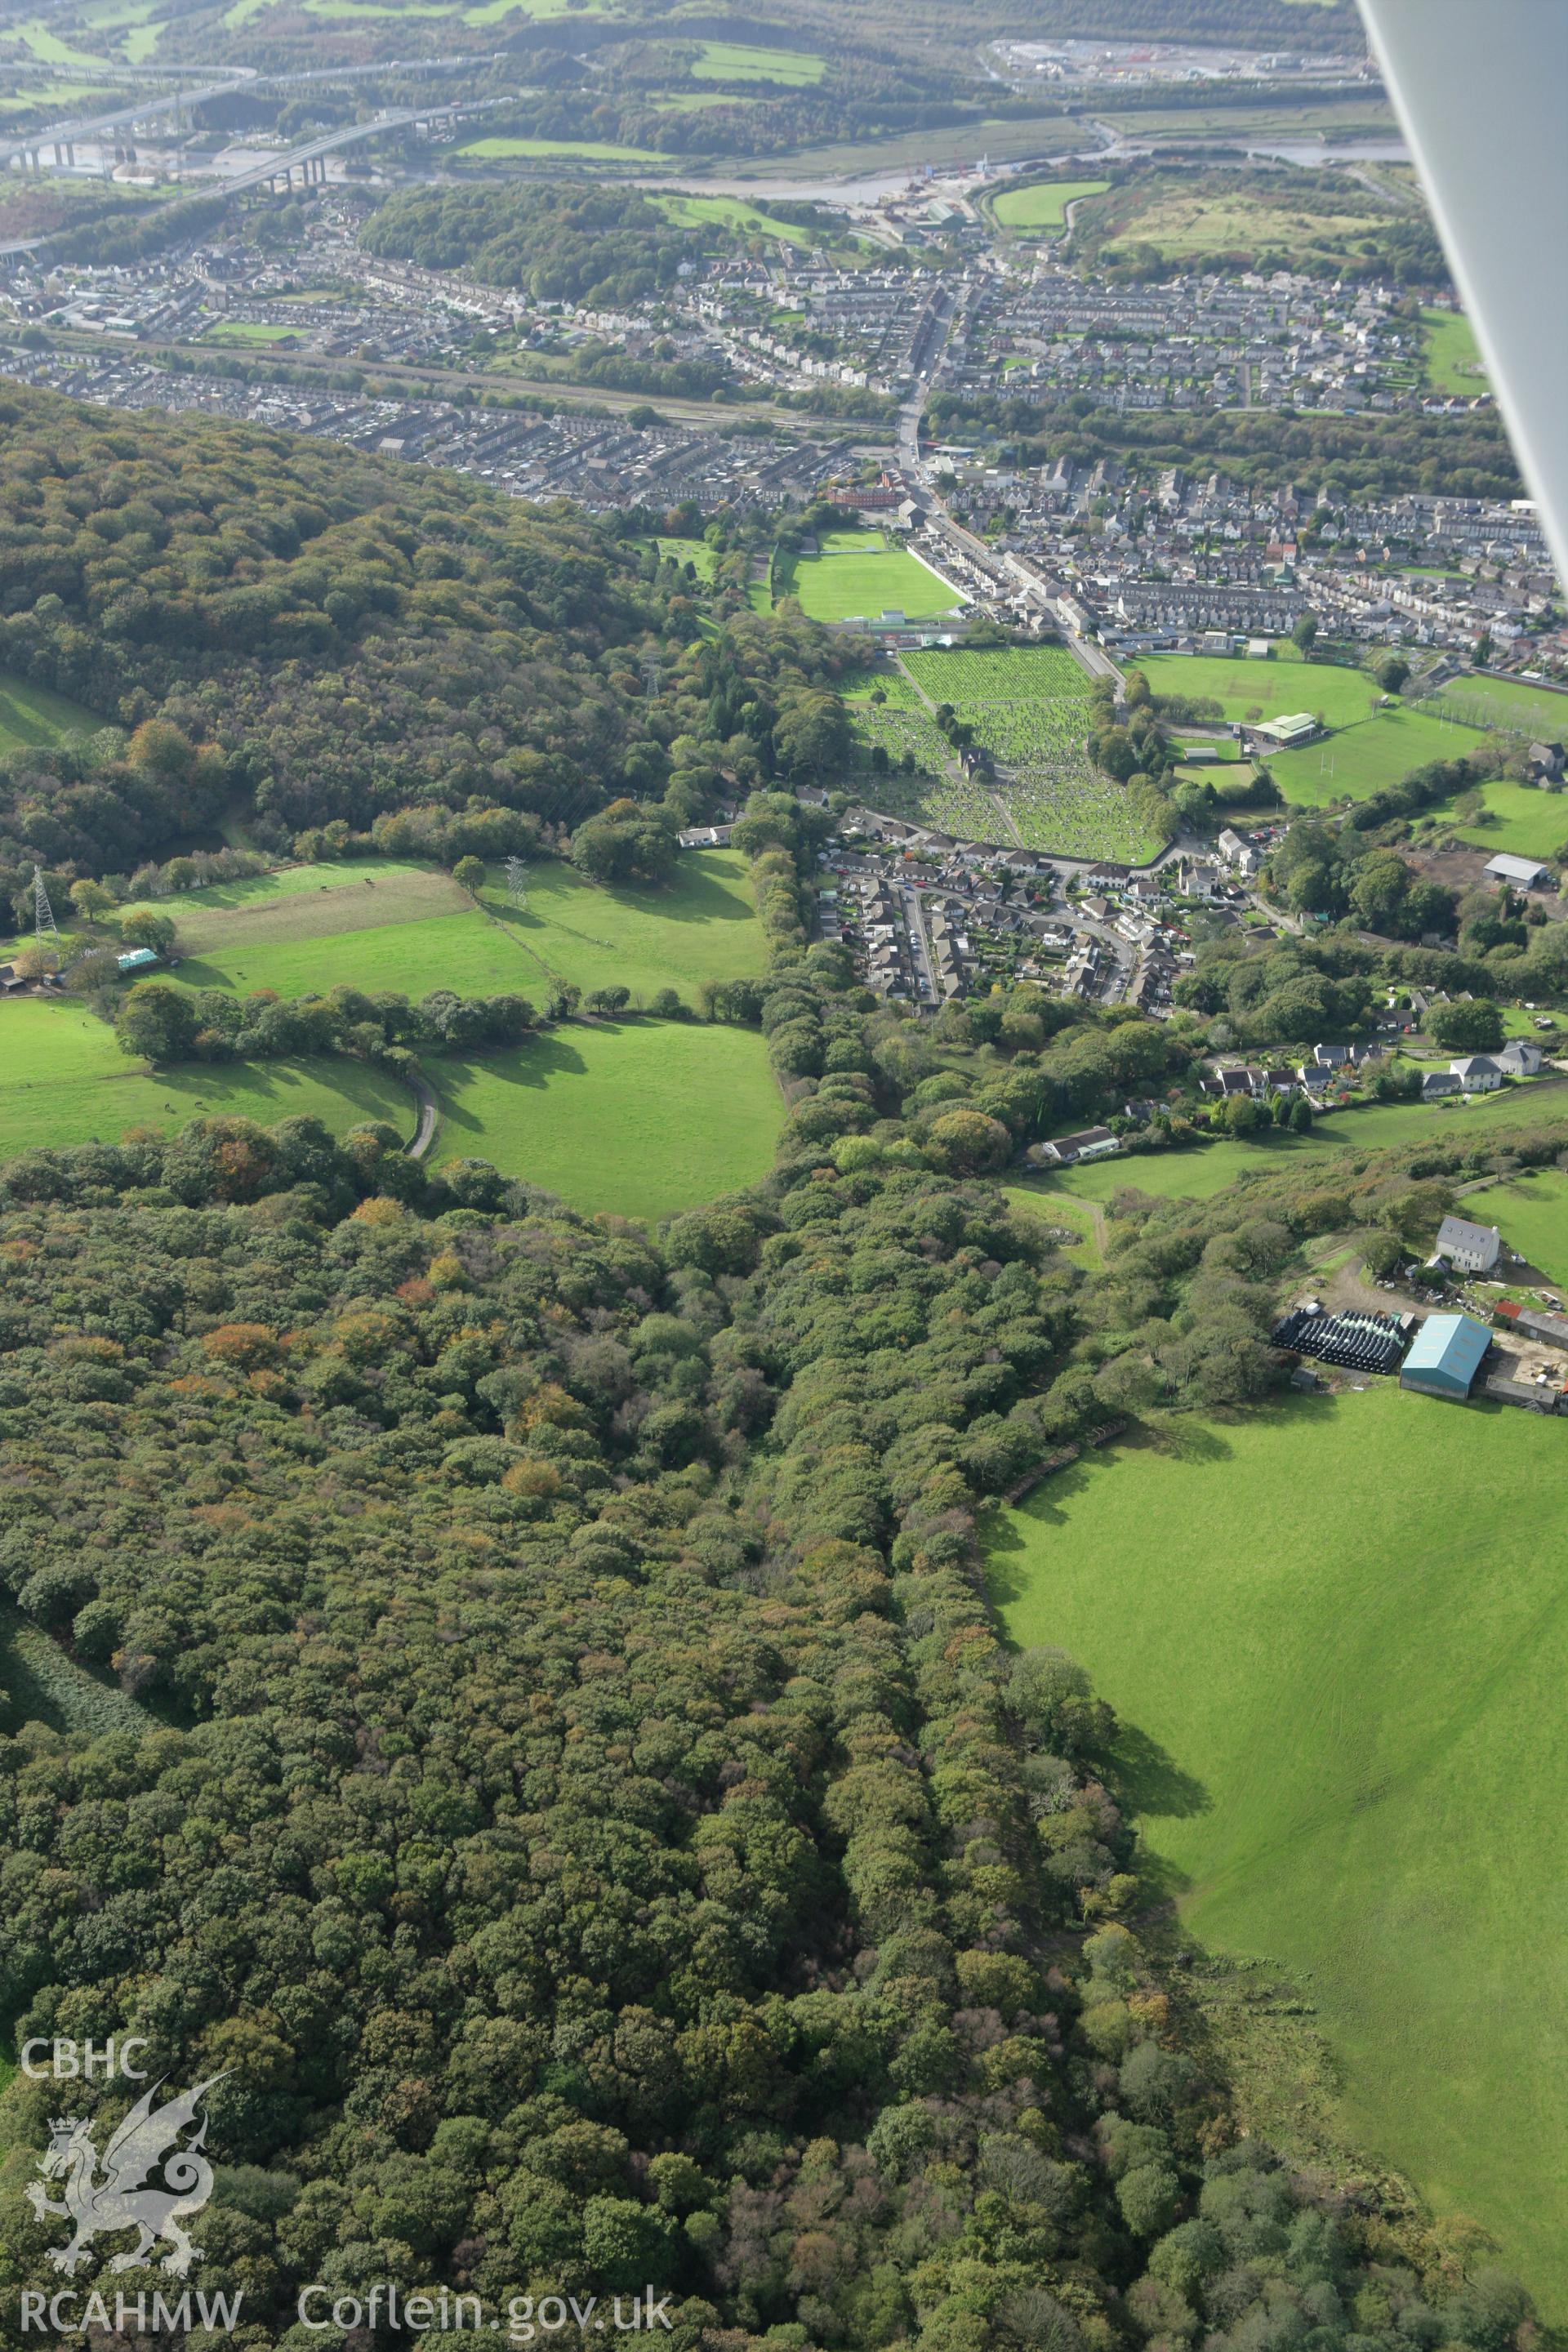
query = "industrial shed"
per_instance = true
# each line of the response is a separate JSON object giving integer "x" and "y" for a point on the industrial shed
{"x": 1445, "y": 1356}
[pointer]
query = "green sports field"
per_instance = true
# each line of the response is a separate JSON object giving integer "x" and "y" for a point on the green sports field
{"x": 375, "y": 924}
{"x": 1336, "y": 1634}
{"x": 640, "y": 1117}
{"x": 248, "y": 331}
{"x": 1278, "y": 687}
{"x": 64, "y": 1080}
{"x": 1508, "y": 703}
{"x": 842, "y": 585}
{"x": 1368, "y": 746}
{"x": 31, "y": 718}
{"x": 1362, "y": 757}
{"x": 1454, "y": 362}
{"x": 1044, "y": 207}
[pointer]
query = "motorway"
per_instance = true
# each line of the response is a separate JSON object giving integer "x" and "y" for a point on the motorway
{"x": 314, "y": 150}
{"x": 81, "y": 129}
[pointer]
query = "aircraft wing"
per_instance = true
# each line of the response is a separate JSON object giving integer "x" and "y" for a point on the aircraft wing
{"x": 1479, "y": 86}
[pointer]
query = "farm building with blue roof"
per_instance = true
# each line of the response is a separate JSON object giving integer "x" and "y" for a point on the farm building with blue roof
{"x": 1445, "y": 1356}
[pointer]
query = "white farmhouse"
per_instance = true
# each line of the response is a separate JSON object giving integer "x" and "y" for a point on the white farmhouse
{"x": 1473, "y": 1249}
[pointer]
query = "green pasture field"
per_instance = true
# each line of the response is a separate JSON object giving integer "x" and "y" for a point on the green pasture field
{"x": 739, "y": 61}
{"x": 1507, "y": 704}
{"x": 1334, "y": 1633}
{"x": 859, "y": 586}
{"x": 1454, "y": 362}
{"x": 31, "y": 718}
{"x": 304, "y": 902}
{"x": 1529, "y": 822}
{"x": 1043, "y": 205}
{"x": 701, "y": 925}
{"x": 638, "y": 1118}
{"x": 375, "y": 924}
{"x": 58, "y": 95}
{"x": 40, "y": 41}
{"x": 1362, "y": 757}
{"x": 64, "y": 1080}
{"x": 1531, "y": 1212}
{"x": 731, "y": 213}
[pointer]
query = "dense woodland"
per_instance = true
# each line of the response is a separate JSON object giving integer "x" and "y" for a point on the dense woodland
{"x": 535, "y": 1718}
{"x": 518, "y": 1697}
{"x": 561, "y": 241}
{"x": 280, "y": 626}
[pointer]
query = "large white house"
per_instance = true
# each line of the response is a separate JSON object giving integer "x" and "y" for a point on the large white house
{"x": 1477, "y": 1074}
{"x": 1473, "y": 1249}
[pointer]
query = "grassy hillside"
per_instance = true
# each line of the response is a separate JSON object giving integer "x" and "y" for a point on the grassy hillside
{"x": 640, "y": 1117}
{"x": 1205, "y": 1169}
{"x": 1531, "y": 1212}
{"x": 64, "y": 1080}
{"x": 1337, "y": 1635}
{"x": 31, "y": 718}
{"x": 1524, "y": 822}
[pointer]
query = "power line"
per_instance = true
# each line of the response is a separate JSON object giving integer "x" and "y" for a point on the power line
{"x": 44, "y": 925}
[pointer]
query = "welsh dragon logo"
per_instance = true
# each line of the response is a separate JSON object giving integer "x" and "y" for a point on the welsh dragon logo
{"x": 118, "y": 2198}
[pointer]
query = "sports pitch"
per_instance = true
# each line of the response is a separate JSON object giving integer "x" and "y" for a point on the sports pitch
{"x": 1044, "y": 205}
{"x": 860, "y": 583}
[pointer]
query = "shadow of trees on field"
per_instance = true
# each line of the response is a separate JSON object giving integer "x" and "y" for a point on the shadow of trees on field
{"x": 550, "y": 1054}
